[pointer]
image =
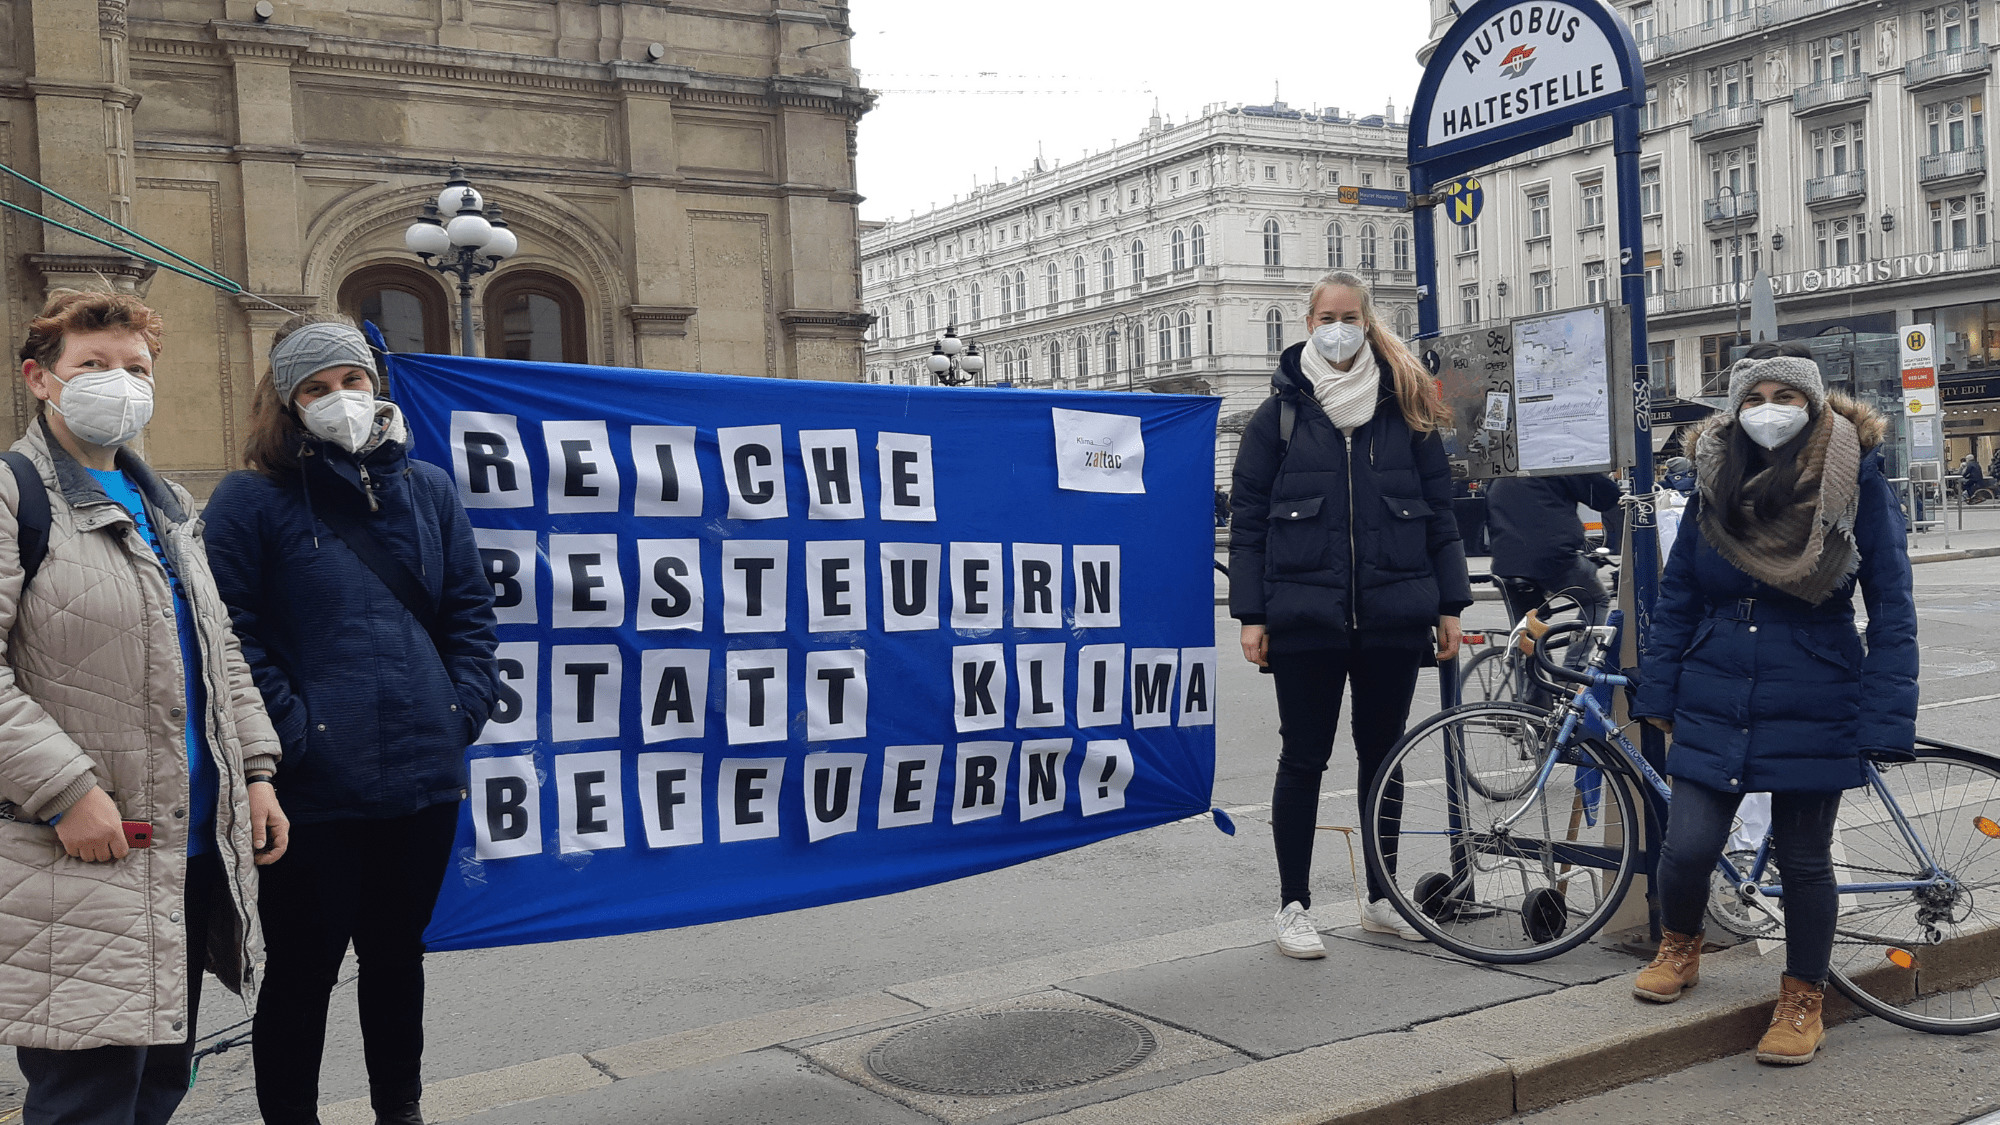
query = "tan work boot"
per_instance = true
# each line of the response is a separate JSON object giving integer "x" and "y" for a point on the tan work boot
{"x": 1796, "y": 1031}
{"x": 1677, "y": 966}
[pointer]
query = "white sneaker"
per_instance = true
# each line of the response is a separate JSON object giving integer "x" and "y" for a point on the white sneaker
{"x": 1381, "y": 918}
{"x": 1297, "y": 936}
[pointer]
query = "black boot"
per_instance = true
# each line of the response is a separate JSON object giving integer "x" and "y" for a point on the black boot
{"x": 406, "y": 1114}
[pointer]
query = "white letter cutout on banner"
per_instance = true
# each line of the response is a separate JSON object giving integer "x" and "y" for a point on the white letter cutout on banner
{"x": 506, "y": 807}
{"x": 590, "y": 802}
{"x": 836, "y": 586}
{"x": 583, "y": 477}
{"x": 909, "y": 785}
{"x": 670, "y": 798}
{"x": 836, "y": 695}
{"x": 673, "y": 693}
{"x": 978, "y": 586}
{"x": 909, "y": 489}
{"x": 666, "y": 481}
{"x": 1039, "y": 673}
{"x": 753, "y": 469}
{"x": 1038, "y": 585}
{"x": 1197, "y": 694}
{"x": 910, "y": 586}
{"x": 1042, "y": 783}
{"x": 833, "y": 794}
{"x": 588, "y": 590}
{"x": 979, "y": 687}
{"x": 980, "y": 790}
{"x": 1100, "y": 685}
{"x": 509, "y": 560}
{"x": 670, "y": 586}
{"x": 1153, "y": 686}
{"x": 833, "y": 482}
{"x": 755, "y": 577}
{"x": 746, "y": 798}
{"x": 488, "y": 461}
{"x": 584, "y": 691}
{"x": 756, "y": 695}
{"x": 516, "y": 714}
{"x": 1107, "y": 770}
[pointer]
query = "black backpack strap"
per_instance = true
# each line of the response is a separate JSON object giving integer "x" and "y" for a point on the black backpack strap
{"x": 32, "y": 514}
{"x": 401, "y": 581}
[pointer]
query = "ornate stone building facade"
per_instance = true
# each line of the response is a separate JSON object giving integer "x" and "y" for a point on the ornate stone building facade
{"x": 680, "y": 176}
{"x": 1176, "y": 263}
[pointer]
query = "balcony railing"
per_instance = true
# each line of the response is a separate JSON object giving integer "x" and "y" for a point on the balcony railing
{"x": 1726, "y": 119}
{"x": 1941, "y": 166}
{"x": 1728, "y": 210}
{"x": 1830, "y": 94}
{"x": 1758, "y": 17}
{"x": 1838, "y": 188}
{"x": 1946, "y": 66}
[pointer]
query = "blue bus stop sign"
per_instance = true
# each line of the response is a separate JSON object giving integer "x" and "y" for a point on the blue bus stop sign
{"x": 1463, "y": 200}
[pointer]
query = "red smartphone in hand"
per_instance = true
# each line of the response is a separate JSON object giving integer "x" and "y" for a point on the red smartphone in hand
{"x": 138, "y": 834}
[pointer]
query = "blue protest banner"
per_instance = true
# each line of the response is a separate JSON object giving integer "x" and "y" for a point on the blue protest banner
{"x": 770, "y": 644}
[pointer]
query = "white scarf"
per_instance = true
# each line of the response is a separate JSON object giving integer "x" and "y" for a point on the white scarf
{"x": 1348, "y": 397}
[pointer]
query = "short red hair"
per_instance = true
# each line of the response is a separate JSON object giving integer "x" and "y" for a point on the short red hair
{"x": 72, "y": 310}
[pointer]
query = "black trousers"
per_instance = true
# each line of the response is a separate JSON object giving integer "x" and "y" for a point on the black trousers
{"x": 373, "y": 882}
{"x": 1698, "y": 826}
{"x": 1309, "y": 688}
{"x": 127, "y": 1085}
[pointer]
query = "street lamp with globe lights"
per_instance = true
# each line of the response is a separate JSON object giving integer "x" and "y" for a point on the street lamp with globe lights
{"x": 955, "y": 362}
{"x": 471, "y": 242}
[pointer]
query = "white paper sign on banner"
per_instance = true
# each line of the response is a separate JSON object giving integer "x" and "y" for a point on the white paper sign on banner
{"x": 1098, "y": 452}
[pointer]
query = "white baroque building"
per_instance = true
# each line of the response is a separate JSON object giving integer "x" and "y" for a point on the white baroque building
{"x": 1837, "y": 145}
{"x": 1176, "y": 263}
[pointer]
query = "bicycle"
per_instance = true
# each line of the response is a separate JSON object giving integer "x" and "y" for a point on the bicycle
{"x": 1537, "y": 871}
{"x": 1502, "y": 672}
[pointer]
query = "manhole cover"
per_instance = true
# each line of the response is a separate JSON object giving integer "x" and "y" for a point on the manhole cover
{"x": 1017, "y": 1051}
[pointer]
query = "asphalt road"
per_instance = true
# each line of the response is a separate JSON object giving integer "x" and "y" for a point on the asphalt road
{"x": 495, "y": 1008}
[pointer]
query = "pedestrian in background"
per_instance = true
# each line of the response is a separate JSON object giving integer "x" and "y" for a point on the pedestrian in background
{"x": 353, "y": 579}
{"x": 1755, "y": 668}
{"x": 1538, "y": 540}
{"x": 135, "y": 754}
{"x": 1344, "y": 566}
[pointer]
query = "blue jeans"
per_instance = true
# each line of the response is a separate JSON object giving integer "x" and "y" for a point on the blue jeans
{"x": 1802, "y": 844}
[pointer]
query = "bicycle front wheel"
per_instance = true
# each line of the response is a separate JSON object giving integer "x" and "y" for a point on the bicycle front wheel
{"x": 1922, "y": 956}
{"x": 1495, "y": 843}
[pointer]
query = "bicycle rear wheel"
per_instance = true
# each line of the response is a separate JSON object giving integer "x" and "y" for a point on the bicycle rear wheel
{"x": 1485, "y": 856}
{"x": 1923, "y": 958}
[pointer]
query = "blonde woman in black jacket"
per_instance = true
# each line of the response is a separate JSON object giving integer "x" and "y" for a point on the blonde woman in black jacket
{"x": 1344, "y": 564}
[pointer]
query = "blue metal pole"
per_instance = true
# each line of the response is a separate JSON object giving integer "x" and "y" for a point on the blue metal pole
{"x": 1426, "y": 229}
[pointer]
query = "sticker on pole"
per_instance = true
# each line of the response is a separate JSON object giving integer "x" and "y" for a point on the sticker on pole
{"x": 1465, "y": 199}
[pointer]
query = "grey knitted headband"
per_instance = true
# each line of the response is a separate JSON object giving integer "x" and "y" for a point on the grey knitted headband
{"x": 314, "y": 348}
{"x": 1792, "y": 371}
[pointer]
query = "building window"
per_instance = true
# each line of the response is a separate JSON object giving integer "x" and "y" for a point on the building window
{"x": 1593, "y": 283}
{"x": 1336, "y": 247}
{"x": 1650, "y": 116}
{"x": 1717, "y": 353}
{"x": 1194, "y": 177}
{"x": 1735, "y": 169}
{"x": 1111, "y": 352}
{"x": 1134, "y": 200}
{"x": 407, "y": 304}
{"x": 1104, "y": 206}
{"x": 1660, "y": 357}
{"x": 1274, "y": 331}
{"x": 1841, "y": 242}
{"x": 1958, "y": 223}
{"x": 975, "y": 310}
{"x": 930, "y": 312}
{"x": 1021, "y": 291}
{"x": 1208, "y": 330}
{"x": 1198, "y": 242}
{"x": 1403, "y": 321}
{"x": 1270, "y": 173}
{"x": 1107, "y": 270}
{"x": 1732, "y": 85}
{"x": 1951, "y": 28}
{"x": 1367, "y": 179}
{"x": 1333, "y": 178}
{"x": 1542, "y": 286}
{"x": 951, "y": 307}
{"x": 1166, "y": 340}
{"x": 1957, "y": 124}
{"x": 909, "y": 317}
{"x": 1138, "y": 261}
{"x": 1640, "y": 17}
{"x": 1539, "y": 223}
{"x": 1399, "y": 242}
{"x": 535, "y": 316}
{"x": 1368, "y": 246}
{"x": 1179, "y": 243}
{"x": 1591, "y": 213}
{"x": 1049, "y": 221}
{"x": 1273, "y": 247}
{"x": 1054, "y": 279}
{"x": 1656, "y": 273}
{"x": 1184, "y": 333}
{"x": 1076, "y": 213}
{"x": 1835, "y": 59}
{"x": 1468, "y": 304}
{"x": 1836, "y": 150}
{"x": 1079, "y": 275}
{"x": 1468, "y": 239}
{"x": 1139, "y": 347}
{"x": 1174, "y": 184}
{"x": 1082, "y": 358}
{"x": 1055, "y": 361}
{"x": 1735, "y": 260}
{"x": 1006, "y": 297}
{"x": 1649, "y": 192}
{"x": 1399, "y": 181}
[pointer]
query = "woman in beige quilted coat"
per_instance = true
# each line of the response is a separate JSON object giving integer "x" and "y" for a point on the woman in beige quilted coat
{"x": 123, "y": 698}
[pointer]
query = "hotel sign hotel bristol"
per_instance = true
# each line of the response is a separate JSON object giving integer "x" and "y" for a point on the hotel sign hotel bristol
{"x": 1881, "y": 271}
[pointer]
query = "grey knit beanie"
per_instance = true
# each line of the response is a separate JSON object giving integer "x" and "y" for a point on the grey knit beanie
{"x": 1789, "y": 370}
{"x": 314, "y": 348}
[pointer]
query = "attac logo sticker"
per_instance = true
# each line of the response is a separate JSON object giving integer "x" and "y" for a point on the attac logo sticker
{"x": 1099, "y": 452}
{"x": 1518, "y": 61}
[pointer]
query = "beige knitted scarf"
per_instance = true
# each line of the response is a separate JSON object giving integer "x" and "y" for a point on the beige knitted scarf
{"x": 1348, "y": 397}
{"x": 1808, "y": 549}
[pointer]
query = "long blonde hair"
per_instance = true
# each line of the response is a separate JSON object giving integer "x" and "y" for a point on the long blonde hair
{"x": 1418, "y": 394}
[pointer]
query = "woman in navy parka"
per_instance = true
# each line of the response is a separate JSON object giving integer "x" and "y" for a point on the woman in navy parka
{"x": 374, "y": 703}
{"x": 1755, "y": 667}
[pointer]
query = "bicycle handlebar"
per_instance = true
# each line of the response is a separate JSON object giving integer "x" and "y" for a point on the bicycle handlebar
{"x": 1556, "y": 672}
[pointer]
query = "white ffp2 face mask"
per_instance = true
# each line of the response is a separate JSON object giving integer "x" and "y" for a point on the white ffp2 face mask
{"x": 105, "y": 407}
{"x": 1772, "y": 424}
{"x": 1338, "y": 342}
{"x": 344, "y": 418}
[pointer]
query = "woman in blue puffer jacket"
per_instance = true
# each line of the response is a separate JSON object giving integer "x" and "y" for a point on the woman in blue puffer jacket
{"x": 375, "y": 700}
{"x": 1755, "y": 667}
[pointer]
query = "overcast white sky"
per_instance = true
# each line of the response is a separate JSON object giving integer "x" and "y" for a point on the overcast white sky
{"x": 1097, "y": 67}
